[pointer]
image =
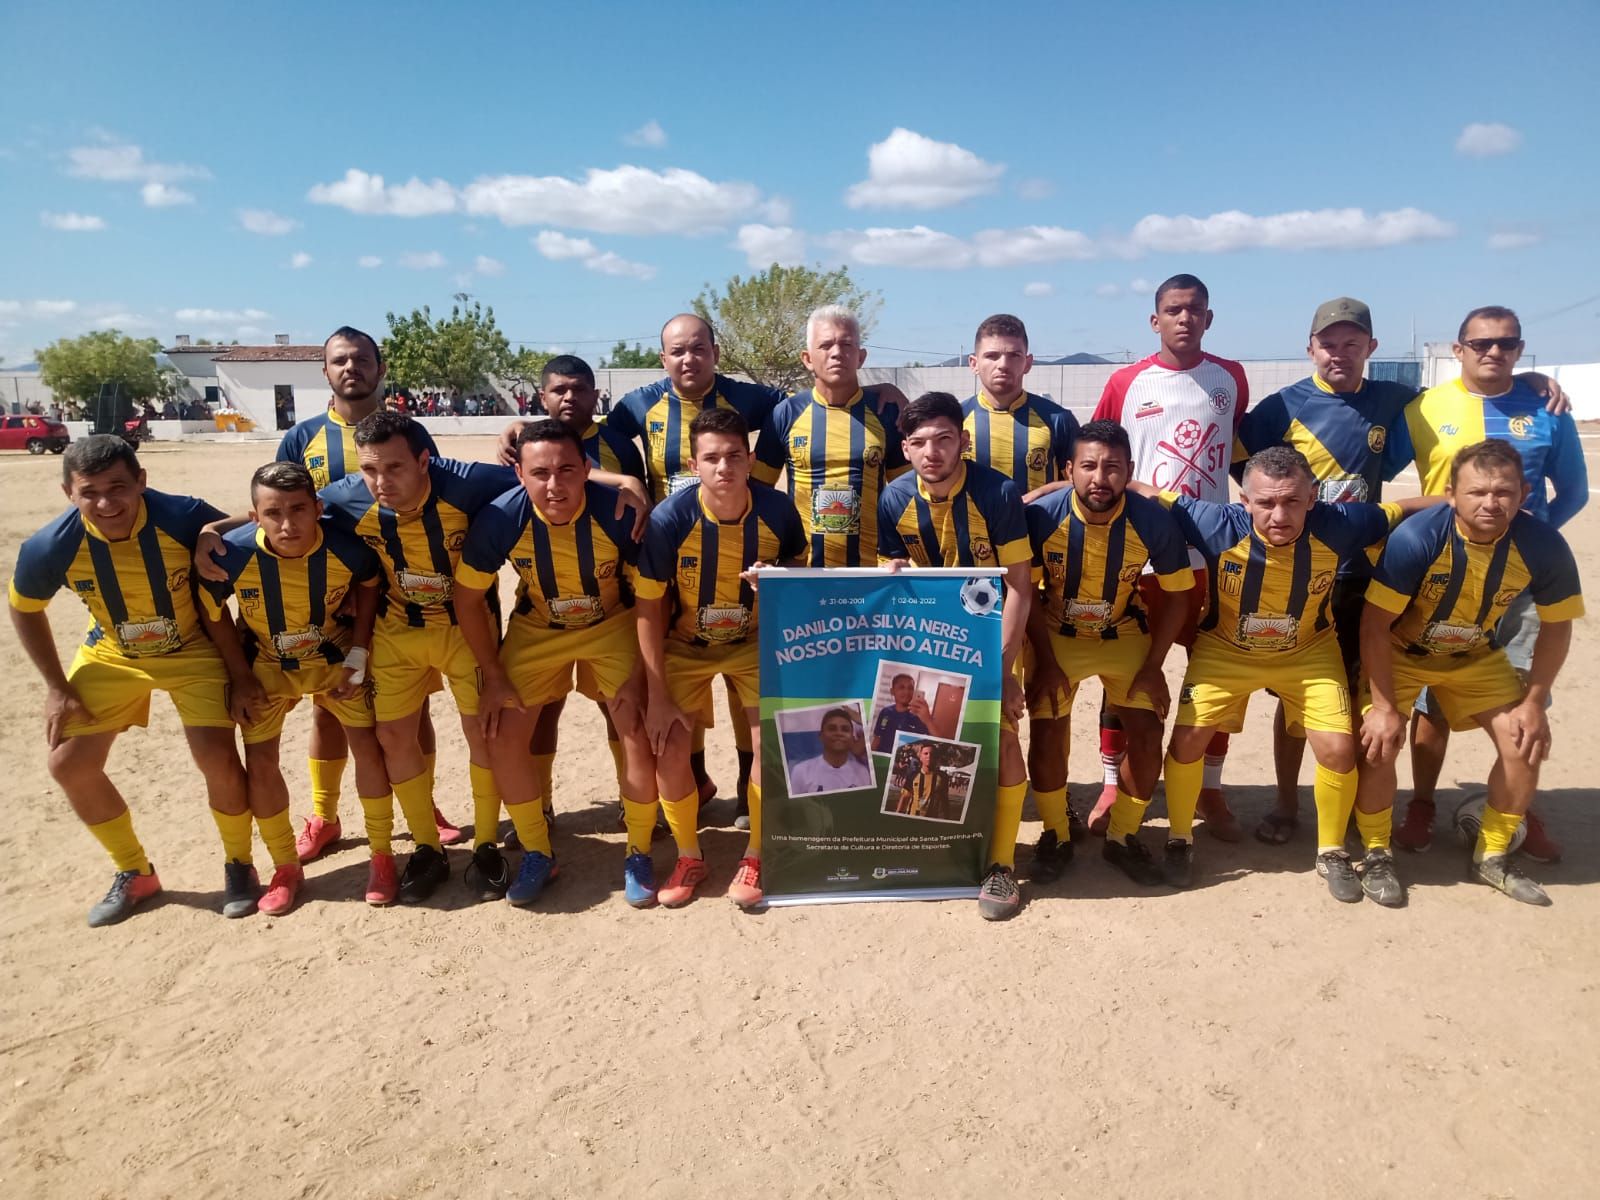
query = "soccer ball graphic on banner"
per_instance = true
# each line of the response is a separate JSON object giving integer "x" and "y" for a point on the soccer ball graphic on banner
{"x": 980, "y": 596}
{"x": 1469, "y": 819}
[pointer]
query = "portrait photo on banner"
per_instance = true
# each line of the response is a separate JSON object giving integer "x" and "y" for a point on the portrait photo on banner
{"x": 930, "y": 779}
{"x": 825, "y": 749}
{"x": 916, "y": 699}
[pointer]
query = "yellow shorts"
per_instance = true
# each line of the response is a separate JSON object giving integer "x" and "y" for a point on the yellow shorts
{"x": 407, "y": 663}
{"x": 116, "y": 688}
{"x": 1221, "y": 679}
{"x": 1115, "y": 660}
{"x": 691, "y": 671}
{"x": 1462, "y": 687}
{"x": 286, "y": 688}
{"x": 542, "y": 662}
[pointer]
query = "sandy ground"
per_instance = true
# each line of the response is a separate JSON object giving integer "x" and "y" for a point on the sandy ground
{"x": 1248, "y": 1037}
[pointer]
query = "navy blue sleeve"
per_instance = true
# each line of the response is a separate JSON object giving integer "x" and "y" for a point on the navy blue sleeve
{"x": 1161, "y": 535}
{"x": 1566, "y": 469}
{"x": 891, "y": 503}
{"x": 491, "y": 535}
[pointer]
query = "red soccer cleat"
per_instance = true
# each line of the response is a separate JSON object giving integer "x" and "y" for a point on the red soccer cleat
{"x": 283, "y": 889}
{"x": 316, "y": 835}
{"x": 449, "y": 835}
{"x": 383, "y": 881}
{"x": 688, "y": 874}
{"x": 1415, "y": 833}
{"x": 745, "y": 890}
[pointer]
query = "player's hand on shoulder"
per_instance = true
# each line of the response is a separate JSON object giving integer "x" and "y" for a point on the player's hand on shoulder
{"x": 505, "y": 448}
{"x": 209, "y": 550}
{"x": 632, "y": 494}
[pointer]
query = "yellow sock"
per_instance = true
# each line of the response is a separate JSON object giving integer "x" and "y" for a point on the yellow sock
{"x": 378, "y": 813}
{"x": 429, "y": 763}
{"x": 682, "y": 817}
{"x": 416, "y": 802}
{"x": 485, "y": 806}
{"x": 1183, "y": 793}
{"x": 754, "y": 792}
{"x": 1494, "y": 836}
{"x": 1052, "y": 806}
{"x": 118, "y": 838}
{"x": 326, "y": 775}
{"x": 1007, "y": 820}
{"x": 619, "y": 761}
{"x": 1127, "y": 814}
{"x": 640, "y": 817}
{"x": 544, "y": 773}
{"x": 236, "y": 830}
{"x": 1375, "y": 828}
{"x": 1335, "y": 794}
{"x": 278, "y": 836}
{"x": 533, "y": 831}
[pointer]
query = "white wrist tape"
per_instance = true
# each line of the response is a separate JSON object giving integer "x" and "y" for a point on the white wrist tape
{"x": 355, "y": 661}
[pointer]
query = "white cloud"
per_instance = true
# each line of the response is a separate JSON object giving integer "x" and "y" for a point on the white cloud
{"x": 299, "y": 260}
{"x": 265, "y": 222}
{"x": 221, "y": 315}
{"x": 484, "y": 265}
{"x": 1513, "y": 240}
{"x": 629, "y": 200}
{"x": 164, "y": 195}
{"x": 561, "y": 248}
{"x": 418, "y": 260}
{"x": 1141, "y": 285}
{"x": 649, "y": 134}
{"x": 368, "y": 194}
{"x": 920, "y": 246}
{"x": 122, "y": 162}
{"x": 1324, "y": 229}
{"x": 127, "y": 322}
{"x": 369, "y": 261}
{"x": 1487, "y": 140}
{"x": 1038, "y": 289}
{"x": 71, "y": 222}
{"x": 763, "y": 245}
{"x": 609, "y": 263}
{"x": 1035, "y": 189}
{"x": 1108, "y": 290}
{"x": 1032, "y": 244}
{"x": 907, "y": 170}
{"x": 37, "y": 308}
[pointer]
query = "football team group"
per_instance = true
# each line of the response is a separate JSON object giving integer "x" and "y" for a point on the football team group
{"x": 365, "y": 578}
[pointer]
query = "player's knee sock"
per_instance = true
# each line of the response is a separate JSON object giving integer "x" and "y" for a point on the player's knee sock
{"x": 747, "y": 762}
{"x": 1216, "y": 755}
{"x": 741, "y": 731}
{"x": 697, "y": 753}
{"x": 120, "y": 842}
{"x": 533, "y": 831}
{"x": 1184, "y": 781}
{"x": 1052, "y": 806}
{"x": 682, "y": 818}
{"x": 1127, "y": 814}
{"x": 429, "y": 764}
{"x": 326, "y": 775}
{"x": 755, "y": 820}
{"x": 640, "y": 818}
{"x": 544, "y": 775}
{"x": 377, "y": 812}
{"x": 1008, "y": 799}
{"x": 1335, "y": 793}
{"x": 1113, "y": 745}
{"x": 236, "y": 830}
{"x": 415, "y": 796}
{"x": 1495, "y": 834}
{"x": 278, "y": 837}
{"x": 1375, "y": 828}
{"x": 485, "y": 806}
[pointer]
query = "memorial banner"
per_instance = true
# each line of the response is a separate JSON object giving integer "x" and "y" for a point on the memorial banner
{"x": 880, "y": 719}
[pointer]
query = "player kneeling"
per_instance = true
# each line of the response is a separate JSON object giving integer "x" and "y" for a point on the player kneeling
{"x": 573, "y": 556}
{"x": 697, "y": 620}
{"x": 290, "y": 573}
{"x": 1442, "y": 583}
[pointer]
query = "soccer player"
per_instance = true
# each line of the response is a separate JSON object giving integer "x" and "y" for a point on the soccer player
{"x": 836, "y": 769}
{"x": 1090, "y": 547}
{"x": 909, "y": 712}
{"x": 572, "y": 555}
{"x": 1271, "y": 563}
{"x": 926, "y": 793}
{"x": 414, "y": 509}
{"x": 698, "y": 620}
{"x": 1487, "y": 401}
{"x": 954, "y": 513}
{"x": 1442, "y": 583}
{"x": 290, "y": 574}
{"x": 125, "y": 551}
{"x": 836, "y": 444}
{"x": 1027, "y": 438}
{"x": 1181, "y": 408}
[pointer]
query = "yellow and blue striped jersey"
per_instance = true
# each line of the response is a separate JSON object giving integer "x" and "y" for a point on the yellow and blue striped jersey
{"x": 1030, "y": 443}
{"x": 289, "y": 606}
{"x": 1274, "y": 598}
{"x": 660, "y": 419}
{"x": 139, "y": 591}
{"x": 1446, "y": 418}
{"x": 1354, "y": 441}
{"x": 697, "y": 560}
{"x": 326, "y": 446}
{"x": 569, "y": 576}
{"x": 1450, "y": 592}
{"x": 979, "y": 524}
{"x": 838, "y": 460}
{"x": 608, "y": 450}
{"x": 1089, "y": 574}
{"x": 419, "y": 549}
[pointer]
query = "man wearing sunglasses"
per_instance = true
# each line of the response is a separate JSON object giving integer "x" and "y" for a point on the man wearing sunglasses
{"x": 1487, "y": 401}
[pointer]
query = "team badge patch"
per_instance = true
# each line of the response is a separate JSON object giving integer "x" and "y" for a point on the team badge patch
{"x": 1322, "y": 582}
{"x": 1377, "y": 438}
{"x": 1268, "y": 631}
{"x": 722, "y": 623}
{"x": 835, "y": 510}
{"x": 1036, "y": 459}
{"x": 297, "y": 644}
{"x": 143, "y": 639}
{"x": 573, "y": 611}
{"x": 982, "y": 550}
{"x": 1221, "y": 401}
{"x": 1520, "y": 427}
{"x": 1441, "y": 637}
{"x": 424, "y": 588}
{"x": 873, "y": 457}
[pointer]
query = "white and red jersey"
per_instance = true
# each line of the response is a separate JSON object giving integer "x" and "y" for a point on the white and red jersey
{"x": 1181, "y": 423}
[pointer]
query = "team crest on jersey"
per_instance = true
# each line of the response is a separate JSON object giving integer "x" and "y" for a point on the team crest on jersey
{"x": 873, "y": 457}
{"x": 1221, "y": 402}
{"x": 177, "y": 579}
{"x": 1036, "y": 459}
{"x": 722, "y": 623}
{"x": 423, "y": 587}
{"x": 454, "y": 541}
{"x": 1505, "y": 596}
{"x": 605, "y": 570}
{"x": 139, "y": 639}
{"x": 982, "y": 551}
{"x": 336, "y": 596}
{"x": 576, "y": 611}
{"x": 1268, "y": 631}
{"x": 1186, "y": 695}
{"x": 297, "y": 644}
{"x": 1322, "y": 582}
{"x": 1520, "y": 427}
{"x": 1377, "y": 438}
{"x": 1130, "y": 574}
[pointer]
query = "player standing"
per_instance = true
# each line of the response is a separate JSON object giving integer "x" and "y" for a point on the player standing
{"x": 1027, "y": 438}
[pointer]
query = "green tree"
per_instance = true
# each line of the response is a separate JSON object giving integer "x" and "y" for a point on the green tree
{"x": 76, "y": 368}
{"x": 461, "y": 351}
{"x": 624, "y": 357}
{"x": 525, "y": 367}
{"x": 761, "y": 321}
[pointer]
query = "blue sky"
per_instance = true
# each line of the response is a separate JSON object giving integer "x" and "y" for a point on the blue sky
{"x": 587, "y": 169}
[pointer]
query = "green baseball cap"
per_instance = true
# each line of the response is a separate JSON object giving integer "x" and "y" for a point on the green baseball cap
{"x": 1344, "y": 309}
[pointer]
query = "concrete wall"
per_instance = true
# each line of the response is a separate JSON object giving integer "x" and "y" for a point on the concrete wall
{"x": 248, "y": 387}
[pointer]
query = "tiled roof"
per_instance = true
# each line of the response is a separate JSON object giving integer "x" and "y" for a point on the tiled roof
{"x": 269, "y": 354}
